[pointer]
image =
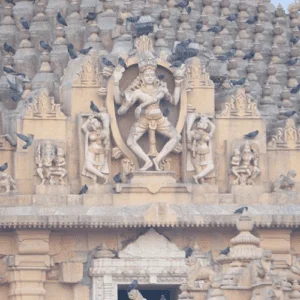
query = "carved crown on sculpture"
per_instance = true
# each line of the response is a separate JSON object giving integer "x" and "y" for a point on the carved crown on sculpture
{"x": 44, "y": 107}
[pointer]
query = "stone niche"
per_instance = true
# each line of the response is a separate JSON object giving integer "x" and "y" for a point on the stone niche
{"x": 151, "y": 259}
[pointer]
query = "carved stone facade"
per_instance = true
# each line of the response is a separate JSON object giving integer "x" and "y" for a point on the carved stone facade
{"x": 149, "y": 151}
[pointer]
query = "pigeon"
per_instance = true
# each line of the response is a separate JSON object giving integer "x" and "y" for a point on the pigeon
{"x": 132, "y": 19}
{"x": 121, "y": 62}
{"x": 188, "y": 252}
{"x": 94, "y": 107}
{"x": 238, "y": 82}
{"x": 9, "y": 49}
{"x": 227, "y": 55}
{"x": 225, "y": 251}
{"x": 252, "y": 20}
{"x": 292, "y": 61}
{"x": 166, "y": 112}
{"x": 215, "y": 29}
{"x": 11, "y": 2}
{"x": 12, "y": 86}
{"x": 27, "y": 139}
{"x": 24, "y": 23}
{"x": 176, "y": 64}
{"x": 232, "y": 17}
{"x": 70, "y": 46}
{"x": 9, "y": 70}
{"x": 251, "y": 135}
{"x": 199, "y": 26}
{"x": 183, "y": 4}
{"x": 45, "y": 46}
{"x": 188, "y": 9}
{"x": 83, "y": 189}
{"x": 91, "y": 16}
{"x": 295, "y": 89}
{"x": 60, "y": 19}
{"x": 71, "y": 51}
{"x": 290, "y": 113}
{"x": 294, "y": 40}
{"x": 241, "y": 210}
{"x": 3, "y": 167}
{"x": 248, "y": 56}
{"x": 107, "y": 62}
{"x": 133, "y": 286}
{"x": 184, "y": 43}
{"x": 85, "y": 51}
{"x": 16, "y": 97}
{"x": 117, "y": 178}
{"x": 161, "y": 76}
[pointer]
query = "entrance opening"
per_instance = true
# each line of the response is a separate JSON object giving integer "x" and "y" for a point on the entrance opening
{"x": 152, "y": 292}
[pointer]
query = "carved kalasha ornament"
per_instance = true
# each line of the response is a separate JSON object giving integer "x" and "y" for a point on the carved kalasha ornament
{"x": 51, "y": 163}
{"x": 44, "y": 107}
{"x": 97, "y": 146}
{"x": 244, "y": 164}
{"x": 287, "y": 138}
{"x": 240, "y": 105}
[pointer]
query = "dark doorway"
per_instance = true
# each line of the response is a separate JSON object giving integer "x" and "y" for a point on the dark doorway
{"x": 151, "y": 293}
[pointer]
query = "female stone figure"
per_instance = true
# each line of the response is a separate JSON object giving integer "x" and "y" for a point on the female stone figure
{"x": 199, "y": 144}
{"x": 97, "y": 146}
{"x": 148, "y": 91}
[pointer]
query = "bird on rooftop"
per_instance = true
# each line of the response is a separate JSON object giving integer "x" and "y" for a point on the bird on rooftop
{"x": 251, "y": 135}
{"x": 3, "y": 167}
{"x": 225, "y": 251}
{"x": 83, "y": 189}
{"x": 9, "y": 49}
{"x": 24, "y": 23}
{"x": 241, "y": 210}
{"x": 60, "y": 19}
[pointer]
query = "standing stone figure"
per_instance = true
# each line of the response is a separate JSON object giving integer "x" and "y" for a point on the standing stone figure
{"x": 147, "y": 90}
{"x": 97, "y": 146}
{"x": 200, "y": 131}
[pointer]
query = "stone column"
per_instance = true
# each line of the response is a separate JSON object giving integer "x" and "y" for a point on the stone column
{"x": 28, "y": 267}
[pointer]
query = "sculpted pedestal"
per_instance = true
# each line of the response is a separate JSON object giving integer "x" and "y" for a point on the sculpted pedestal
{"x": 247, "y": 193}
{"x": 52, "y": 189}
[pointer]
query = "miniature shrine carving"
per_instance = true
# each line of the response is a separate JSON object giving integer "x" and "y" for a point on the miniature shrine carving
{"x": 51, "y": 163}
{"x": 97, "y": 146}
{"x": 244, "y": 164}
{"x": 200, "y": 131}
{"x": 147, "y": 91}
{"x": 285, "y": 182}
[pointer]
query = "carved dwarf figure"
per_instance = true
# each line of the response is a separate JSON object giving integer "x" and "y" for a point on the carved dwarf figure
{"x": 97, "y": 146}
{"x": 200, "y": 154}
{"x": 7, "y": 184}
{"x": 285, "y": 182}
{"x": 147, "y": 90}
{"x": 244, "y": 164}
{"x": 51, "y": 162}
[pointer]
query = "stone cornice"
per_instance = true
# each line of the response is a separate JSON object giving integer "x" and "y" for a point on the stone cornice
{"x": 264, "y": 216}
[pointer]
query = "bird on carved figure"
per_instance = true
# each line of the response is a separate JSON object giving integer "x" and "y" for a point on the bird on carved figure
{"x": 225, "y": 251}
{"x": 132, "y": 19}
{"x": 294, "y": 39}
{"x": 166, "y": 112}
{"x": 161, "y": 76}
{"x": 60, "y": 19}
{"x": 70, "y": 46}
{"x": 85, "y": 51}
{"x": 94, "y": 107}
{"x": 232, "y": 17}
{"x": 71, "y": 51}
{"x": 188, "y": 252}
{"x": 9, "y": 49}
{"x": 199, "y": 26}
{"x": 216, "y": 29}
{"x": 183, "y": 4}
{"x": 251, "y": 135}
{"x": 290, "y": 113}
{"x": 176, "y": 64}
{"x": 295, "y": 89}
{"x": 238, "y": 82}
{"x": 249, "y": 55}
{"x": 184, "y": 43}
{"x": 292, "y": 61}
{"x": 227, "y": 55}
{"x": 122, "y": 62}
{"x": 252, "y": 20}
{"x": 117, "y": 178}
{"x": 9, "y": 70}
{"x": 16, "y": 97}
{"x": 133, "y": 285}
{"x": 83, "y": 189}
{"x": 27, "y": 139}
{"x": 13, "y": 86}
{"x": 162, "y": 297}
{"x": 24, "y": 23}
{"x": 107, "y": 62}
{"x": 188, "y": 9}
{"x": 45, "y": 46}
{"x": 11, "y": 2}
{"x": 3, "y": 167}
{"x": 241, "y": 210}
{"x": 91, "y": 16}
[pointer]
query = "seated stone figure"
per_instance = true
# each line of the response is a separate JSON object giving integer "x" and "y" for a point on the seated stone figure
{"x": 135, "y": 295}
{"x": 285, "y": 182}
{"x": 7, "y": 184}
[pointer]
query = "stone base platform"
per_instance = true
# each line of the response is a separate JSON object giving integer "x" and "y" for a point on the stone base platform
{"x": 153, "y": 182}
{"x": 52, "y": 189}
{"x": 247, "y": 193}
